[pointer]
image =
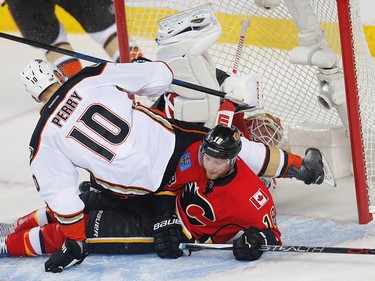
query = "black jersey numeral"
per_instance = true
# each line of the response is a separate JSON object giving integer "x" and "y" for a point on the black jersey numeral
{"x": 269, "y": 220}
{"x": 96, "y": 118}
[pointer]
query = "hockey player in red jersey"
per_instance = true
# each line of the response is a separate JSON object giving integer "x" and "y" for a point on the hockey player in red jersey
{"x": 218, "y": 193}
{"x": 88, "y": 121}
{"x": 218, "y": 196}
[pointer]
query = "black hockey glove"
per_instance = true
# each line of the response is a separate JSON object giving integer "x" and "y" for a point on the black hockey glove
{"x": 311, "y": 170}
{"x": 168, "y": 236}
{"x": 312, "y": 167}
{"x": 69, "y": 254}
{"x": 247, "y": 247}
{"x": 140, "y": 60}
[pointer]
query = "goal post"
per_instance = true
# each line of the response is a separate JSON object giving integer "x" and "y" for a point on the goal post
{"x": 294, "y": 90}
{"x": 346, "y": 20}
{"x": 122, "y": 30}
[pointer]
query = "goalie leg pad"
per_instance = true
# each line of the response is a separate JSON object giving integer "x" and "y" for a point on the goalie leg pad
{"x": 191, "y": 110}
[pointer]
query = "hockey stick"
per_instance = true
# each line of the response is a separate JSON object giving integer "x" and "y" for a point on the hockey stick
{"x": 98, "y": 60}
{"x": 51, "y": 48}
{"x": 245, "y": 23}
{"x": 227, "y": 108}
{"x": 284, "y": 249}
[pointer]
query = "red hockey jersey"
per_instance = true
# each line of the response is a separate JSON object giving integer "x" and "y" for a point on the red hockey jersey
{"x": 217, "y": 210}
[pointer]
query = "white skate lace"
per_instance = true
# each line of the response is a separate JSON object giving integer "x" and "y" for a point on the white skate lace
{"x": 3, "y": 245}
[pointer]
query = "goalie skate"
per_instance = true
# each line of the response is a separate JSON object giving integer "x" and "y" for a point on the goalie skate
{"x": 3, "y": 247}
{"x": 6, "y": 228}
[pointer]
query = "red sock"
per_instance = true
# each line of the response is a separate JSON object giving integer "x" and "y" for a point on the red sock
{"x": 36, "y": 241}
{"x": 39, "y": 217}
{"x": 70, "y": 67}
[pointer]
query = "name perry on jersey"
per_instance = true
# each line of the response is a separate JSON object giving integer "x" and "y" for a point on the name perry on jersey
{"x": 67, "y": 109}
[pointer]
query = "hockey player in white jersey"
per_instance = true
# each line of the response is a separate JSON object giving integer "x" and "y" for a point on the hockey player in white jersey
{"x": 88, "y": 121}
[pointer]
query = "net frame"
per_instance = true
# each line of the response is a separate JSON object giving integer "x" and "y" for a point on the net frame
{"x": 290, "y": 90}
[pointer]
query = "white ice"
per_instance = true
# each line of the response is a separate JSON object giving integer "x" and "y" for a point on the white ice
{"x": 307, "y": 215}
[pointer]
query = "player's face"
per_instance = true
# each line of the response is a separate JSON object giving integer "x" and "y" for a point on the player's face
{"x": 214, "y": 167}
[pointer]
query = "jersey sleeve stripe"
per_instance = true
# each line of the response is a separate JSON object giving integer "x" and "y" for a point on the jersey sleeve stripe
{"x": 273, "y": 163}
{"x": 154, "y": 116}
{"x": 286, "y": 164}
{"x": 265, "y": 162}
{"x": 122, "y": 190}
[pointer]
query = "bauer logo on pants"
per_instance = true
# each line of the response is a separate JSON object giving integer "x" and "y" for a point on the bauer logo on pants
{"x": 259, "y": 199}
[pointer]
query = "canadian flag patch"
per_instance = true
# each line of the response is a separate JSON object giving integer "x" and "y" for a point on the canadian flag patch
{"x": 259, "y": 199}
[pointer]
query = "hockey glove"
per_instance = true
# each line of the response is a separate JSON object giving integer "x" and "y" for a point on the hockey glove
{"x": 311, "y": 170}
{"x": 168, "y": 236}
{"x": 312, "y": 167}
{"x": 247, "y": 247}
{"x": 245, "y": 91}
{"x": 69, "y": 254}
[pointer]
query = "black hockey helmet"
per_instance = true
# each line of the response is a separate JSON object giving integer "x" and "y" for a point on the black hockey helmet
{"x": 222, "y": 142}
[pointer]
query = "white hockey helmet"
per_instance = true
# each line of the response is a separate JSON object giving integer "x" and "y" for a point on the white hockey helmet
{"x": 193, "y": 20}
{"x": 265, "y": 128}
{"x": 38, "y": 75}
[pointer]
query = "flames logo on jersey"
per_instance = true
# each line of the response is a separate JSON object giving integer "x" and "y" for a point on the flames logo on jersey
{"x": 196, "y": 207}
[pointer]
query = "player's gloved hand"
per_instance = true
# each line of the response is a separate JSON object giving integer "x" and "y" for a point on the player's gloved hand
{"x": 69, "y": 254}
{"x": 311, "y": 170}
{"x": 312, "y": 167}
{"x": 168, "y": 236}
{"x": 247, "y": 246}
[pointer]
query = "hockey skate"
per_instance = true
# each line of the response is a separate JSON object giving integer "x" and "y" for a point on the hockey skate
{"x": 6, "y": 228}
{"x": 3, "y": 247}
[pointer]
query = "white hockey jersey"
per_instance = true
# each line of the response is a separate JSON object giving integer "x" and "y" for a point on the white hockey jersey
{"x": 91, "y": 123}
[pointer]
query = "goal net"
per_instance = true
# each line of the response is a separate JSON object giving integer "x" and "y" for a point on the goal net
{"x": 291, "y": 90}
